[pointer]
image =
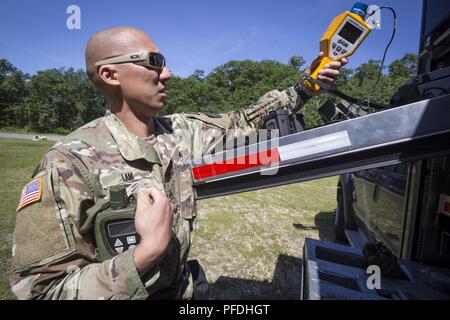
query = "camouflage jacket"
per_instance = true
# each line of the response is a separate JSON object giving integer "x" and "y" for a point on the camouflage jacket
{"x": 54, "y": 259}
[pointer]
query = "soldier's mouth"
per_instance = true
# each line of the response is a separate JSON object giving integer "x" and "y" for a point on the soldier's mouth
{"x": 163, "y": 92}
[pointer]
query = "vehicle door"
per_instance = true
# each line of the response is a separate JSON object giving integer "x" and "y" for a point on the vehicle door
{"x": 390, "y": 200}
{"x": 364, "y": 193}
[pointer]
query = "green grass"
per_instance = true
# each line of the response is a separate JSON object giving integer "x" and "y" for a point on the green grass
{"x": 249, "y": 244}
{"x": 18, "y": 159}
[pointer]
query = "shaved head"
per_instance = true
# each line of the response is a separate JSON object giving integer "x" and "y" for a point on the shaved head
{"x": 113, "y": 42}
{"x": 132, "y": 91}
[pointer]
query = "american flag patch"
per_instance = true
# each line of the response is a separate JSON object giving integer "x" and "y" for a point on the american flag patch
{"x": 31, "y": 193}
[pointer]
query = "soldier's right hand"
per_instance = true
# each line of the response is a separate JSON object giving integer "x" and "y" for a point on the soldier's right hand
{"x": 153, "y": 221}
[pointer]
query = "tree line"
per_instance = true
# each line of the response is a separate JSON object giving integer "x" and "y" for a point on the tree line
{"x": 61, "y": 100}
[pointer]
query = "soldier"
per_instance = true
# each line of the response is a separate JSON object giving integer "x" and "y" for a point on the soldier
{"x": 54, "y": 249}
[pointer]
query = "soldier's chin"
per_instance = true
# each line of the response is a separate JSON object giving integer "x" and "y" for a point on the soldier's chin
{"x": 159, "y": 105}
{"x": 156, "y": 107}
{"x": 159, "y": 101}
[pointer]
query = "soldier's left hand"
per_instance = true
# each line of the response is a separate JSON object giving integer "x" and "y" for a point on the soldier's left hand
{"x": 328, "y": 74}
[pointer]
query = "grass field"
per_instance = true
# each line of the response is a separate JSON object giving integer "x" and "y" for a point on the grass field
{"x": 250, "y": 244}
{"x": 18, "y": 158}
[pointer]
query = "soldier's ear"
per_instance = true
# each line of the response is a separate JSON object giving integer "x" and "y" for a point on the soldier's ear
{"x": 108, "y": 74}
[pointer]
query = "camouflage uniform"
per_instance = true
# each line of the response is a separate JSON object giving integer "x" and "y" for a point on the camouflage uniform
{"x": 53, "y": 249}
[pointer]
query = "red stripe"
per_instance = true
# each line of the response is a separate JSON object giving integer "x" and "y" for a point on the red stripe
{"x": 240, "y": 163}
{"x": 27, "y": 202}
{"x": 447, "y": 207}
{"x": 33, "y": 194}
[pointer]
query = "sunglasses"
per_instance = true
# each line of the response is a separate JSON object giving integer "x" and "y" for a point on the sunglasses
{"x": 147, "y": 59}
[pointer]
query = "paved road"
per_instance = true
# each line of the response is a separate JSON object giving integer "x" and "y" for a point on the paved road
{"x": 50, "y": 137}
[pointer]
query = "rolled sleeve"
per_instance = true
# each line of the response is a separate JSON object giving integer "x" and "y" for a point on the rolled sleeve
{"x": 128, "y": 283}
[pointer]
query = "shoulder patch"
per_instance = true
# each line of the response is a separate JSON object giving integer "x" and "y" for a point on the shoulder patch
{"x": 31, "y": 193}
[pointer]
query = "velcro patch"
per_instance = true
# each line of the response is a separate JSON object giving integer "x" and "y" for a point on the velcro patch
{"x": 31, "y": 193}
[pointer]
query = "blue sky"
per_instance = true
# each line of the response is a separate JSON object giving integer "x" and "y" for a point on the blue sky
{"x": 196, "y": 34}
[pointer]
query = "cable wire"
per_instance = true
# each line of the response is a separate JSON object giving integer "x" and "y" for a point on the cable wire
{"x": 380, "y": 71}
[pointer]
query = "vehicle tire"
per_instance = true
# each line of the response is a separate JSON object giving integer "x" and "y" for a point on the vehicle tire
{"x": 339, "y": 218}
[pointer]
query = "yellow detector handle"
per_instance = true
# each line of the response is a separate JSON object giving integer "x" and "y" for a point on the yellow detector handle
{"x": 341, "y": 39}
{"x": 315, "y": 72}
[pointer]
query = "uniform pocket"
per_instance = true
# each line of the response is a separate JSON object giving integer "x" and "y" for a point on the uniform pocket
{"x": 41, "y": 235}
{"x": 185, "y": 193}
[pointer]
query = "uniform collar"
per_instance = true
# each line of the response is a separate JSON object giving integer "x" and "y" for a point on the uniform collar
{"x": 131, "y": 147}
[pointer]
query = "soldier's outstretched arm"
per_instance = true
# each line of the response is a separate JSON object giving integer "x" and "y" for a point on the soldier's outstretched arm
{"x": 291, "y": 99}
{"x": 206, "y": 129}
{"x": 252, "y": 116}
{"x": 51, "y": 258}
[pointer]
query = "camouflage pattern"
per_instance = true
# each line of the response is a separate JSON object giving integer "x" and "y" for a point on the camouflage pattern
{"x": 54, "y": 258}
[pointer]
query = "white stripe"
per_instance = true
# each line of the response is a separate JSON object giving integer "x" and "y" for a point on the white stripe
{"x": 30, "y": 195}
{"x": 316, "y": 145}
{"x": 27, "y": 198}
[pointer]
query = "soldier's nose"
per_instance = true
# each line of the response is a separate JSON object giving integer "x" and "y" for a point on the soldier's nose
{"x": 165, "y": 75}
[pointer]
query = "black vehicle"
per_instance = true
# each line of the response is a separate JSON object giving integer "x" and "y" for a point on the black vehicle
{"x": 395, "y": 216}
